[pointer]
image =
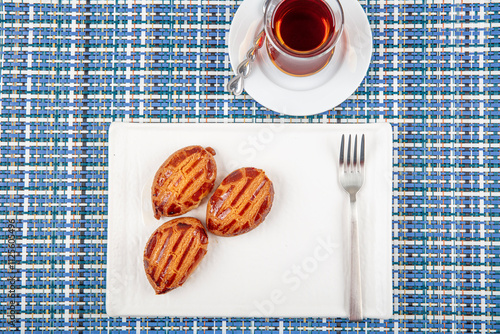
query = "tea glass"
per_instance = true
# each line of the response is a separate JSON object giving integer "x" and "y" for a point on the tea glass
{"x": 302, "y": 34}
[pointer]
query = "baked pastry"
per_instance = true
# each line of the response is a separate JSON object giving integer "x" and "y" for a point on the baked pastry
{"x": 183, "y": 180}
{"x": 173, "y": 252}
{"x": 240, "y": 203}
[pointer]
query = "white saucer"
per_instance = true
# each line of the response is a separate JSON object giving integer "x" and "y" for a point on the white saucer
{"x": 303, "y": 95}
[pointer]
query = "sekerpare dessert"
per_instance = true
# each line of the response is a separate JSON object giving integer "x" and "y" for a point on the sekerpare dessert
{"x": 240, "y": 203}
{"x": 183, "y": 180}
{"x": 173, "y": 252}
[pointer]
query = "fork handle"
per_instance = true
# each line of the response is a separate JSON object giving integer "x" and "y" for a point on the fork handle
{"x": 355, "y": 299}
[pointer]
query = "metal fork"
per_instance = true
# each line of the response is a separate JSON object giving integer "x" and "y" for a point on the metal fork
{"x": 352, "y": 176}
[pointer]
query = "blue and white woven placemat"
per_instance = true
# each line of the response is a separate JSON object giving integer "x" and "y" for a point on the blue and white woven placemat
{"x": 69, "y": 68}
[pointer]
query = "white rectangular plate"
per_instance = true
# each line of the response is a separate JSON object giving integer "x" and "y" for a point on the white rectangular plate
{"x": 295, "y": 263}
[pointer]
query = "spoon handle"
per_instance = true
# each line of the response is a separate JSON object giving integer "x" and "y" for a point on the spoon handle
{"x": 235, "y": 85}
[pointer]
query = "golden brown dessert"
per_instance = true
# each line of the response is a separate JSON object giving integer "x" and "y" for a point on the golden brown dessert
{"x": 183, "y": 180}
{"x": 173, "y": 252}
{"x": 240, "y": 203}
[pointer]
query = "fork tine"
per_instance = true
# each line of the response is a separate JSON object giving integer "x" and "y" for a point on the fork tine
{"x": 341, "y": 158}
{"x": 355, "y": 155}
{"x": 349, "y": 153}
{"x": 362, "y": 154}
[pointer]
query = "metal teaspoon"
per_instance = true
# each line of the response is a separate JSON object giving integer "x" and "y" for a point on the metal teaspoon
{"x": 236, "y": 85}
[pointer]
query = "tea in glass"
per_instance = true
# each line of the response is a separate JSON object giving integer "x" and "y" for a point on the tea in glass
{"x": 302, "y": 34}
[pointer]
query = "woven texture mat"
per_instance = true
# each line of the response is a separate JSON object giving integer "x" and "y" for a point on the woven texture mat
{"x": 70, "y": 68}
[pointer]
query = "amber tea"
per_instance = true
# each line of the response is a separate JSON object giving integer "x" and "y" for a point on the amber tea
{"x": 303, "y": 26}
{"x": 302, "y": 34}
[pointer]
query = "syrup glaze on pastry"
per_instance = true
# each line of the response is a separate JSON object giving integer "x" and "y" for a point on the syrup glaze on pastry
{"x": 240, "y": 203}
{"x": 183, "y": 180}
{"x": 173, "y": 252}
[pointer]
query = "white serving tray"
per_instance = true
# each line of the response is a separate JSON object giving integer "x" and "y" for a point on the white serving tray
{"x": 295, "y": 263}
